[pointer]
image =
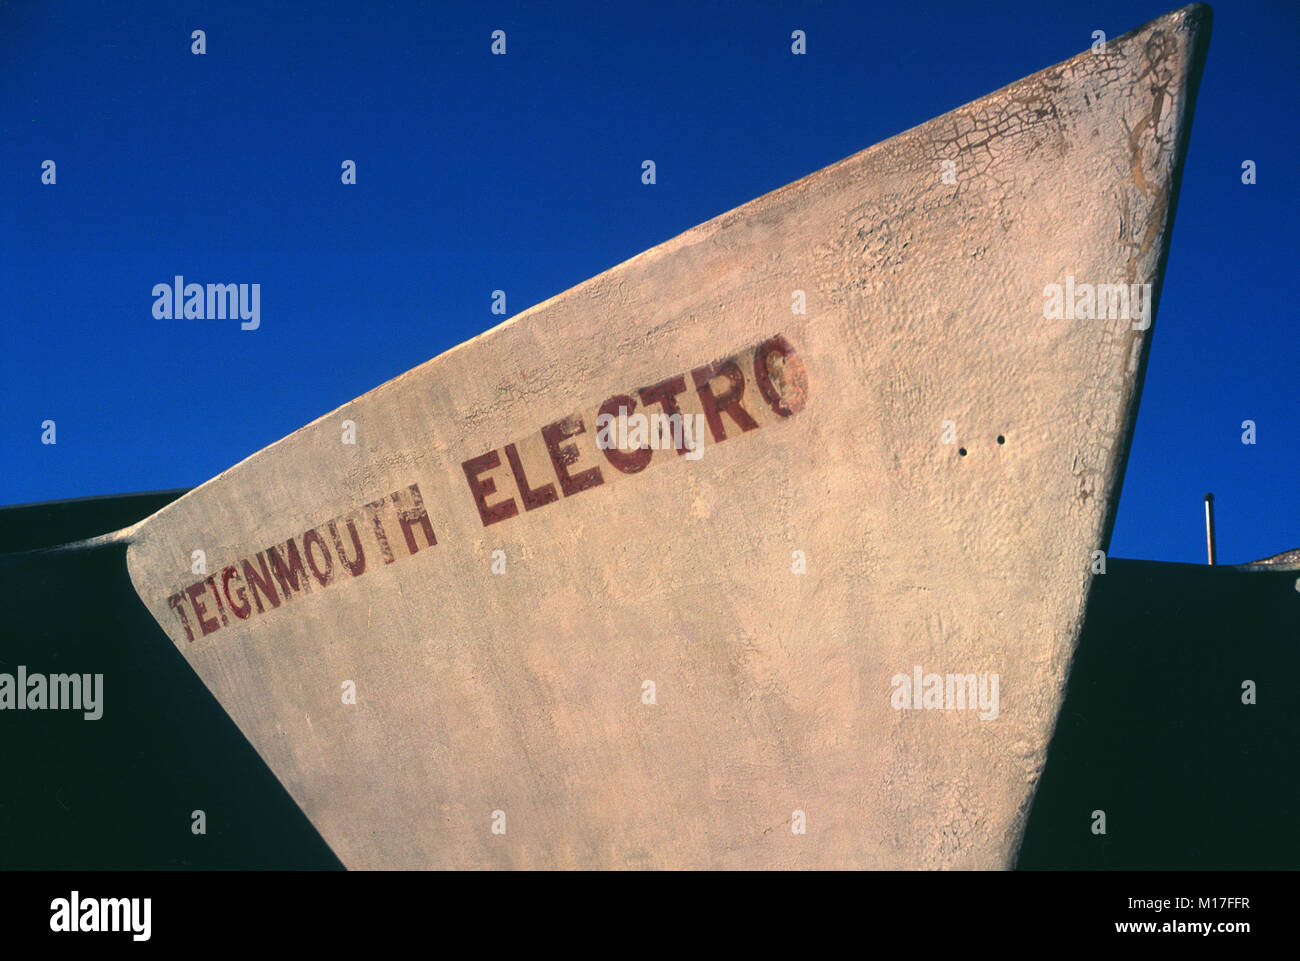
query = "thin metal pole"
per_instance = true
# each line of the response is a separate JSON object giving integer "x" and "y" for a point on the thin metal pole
{"x": 1209, "y": 526}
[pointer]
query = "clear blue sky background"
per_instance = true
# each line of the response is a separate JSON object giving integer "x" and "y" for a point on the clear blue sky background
{"x": 523, "y": 173}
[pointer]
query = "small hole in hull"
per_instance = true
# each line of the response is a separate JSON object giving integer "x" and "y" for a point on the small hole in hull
{"x": 1001, "y": 439}
{"x": 962, "y": 451}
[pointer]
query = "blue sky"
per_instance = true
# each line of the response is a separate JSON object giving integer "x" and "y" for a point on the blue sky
{"x": 523, "y": 173}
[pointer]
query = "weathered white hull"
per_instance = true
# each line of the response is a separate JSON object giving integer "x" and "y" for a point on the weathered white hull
{"x": 501, "y": 715}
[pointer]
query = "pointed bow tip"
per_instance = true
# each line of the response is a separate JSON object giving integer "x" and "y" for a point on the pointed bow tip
{"x": 1195, "y": 19}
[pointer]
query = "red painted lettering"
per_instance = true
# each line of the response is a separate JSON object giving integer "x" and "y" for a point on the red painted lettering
{"x": 175, "y": 601}
{"x": 619, "y": 407}
{"x": 565, "y": 455}
{"x": 291, "y": 576}
{"x": 385, "y": 551}
{"x": 355, "y": 567}
{"x": 208, "y": 624}
{"x": 665, "y": 394}
{"x": 775, "y": 363}
{"x": 221, "y": 607}
{"x": 261, "y": 584}
{"x": 481, "y": 487}
{"x": 408, "y": 517}
{"x": 729, "y": 401}
{"x": 244, "y": 608}
{"x": 532, "y": 498}
{"x": 312, "y": 539}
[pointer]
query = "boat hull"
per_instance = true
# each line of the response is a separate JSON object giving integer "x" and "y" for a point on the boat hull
{"x": 478, "y": 637}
